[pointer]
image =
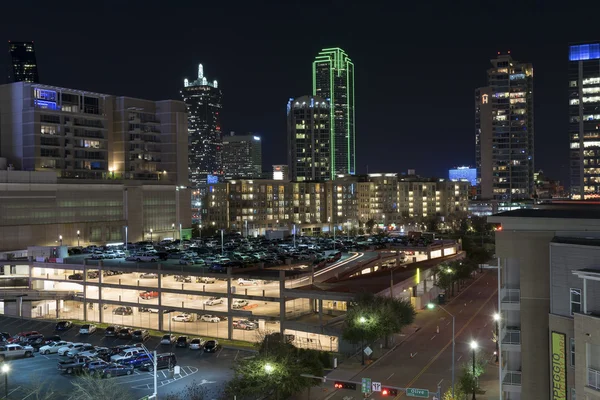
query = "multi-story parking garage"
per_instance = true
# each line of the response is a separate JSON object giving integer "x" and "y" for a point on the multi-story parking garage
{"x": 302, "y": 302}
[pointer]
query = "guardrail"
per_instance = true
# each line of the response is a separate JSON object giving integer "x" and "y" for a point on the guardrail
{"x": 593, "y": 379}
{"x": 512, "y": 378}
{"x": 510, "y": 295}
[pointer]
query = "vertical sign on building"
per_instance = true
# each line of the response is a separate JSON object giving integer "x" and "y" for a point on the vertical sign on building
{"x": 559, "y": 367}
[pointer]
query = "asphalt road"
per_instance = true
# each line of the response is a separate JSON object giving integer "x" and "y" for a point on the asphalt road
{"x": 425, "y": 358}
{"x": 210, "y": 370}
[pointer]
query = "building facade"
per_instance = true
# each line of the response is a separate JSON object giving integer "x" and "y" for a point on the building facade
{"x": 86, "y": 135}
{"x": 23, "y": 63}
{"x": 38, "y": 208}
{"x": 584, "y": 139}
{"x": 242, "y": 156}
{"x": 459, "y": 173}
{"x": 280, "y": 173}
{"x": 310, "y": 150}
{"x": 204, "y": 101}
{"x": 548, "y": 296}
{"x": 333, "y": 80}
{"x": 346, "y": 202}
{"x": 504, "y": 131}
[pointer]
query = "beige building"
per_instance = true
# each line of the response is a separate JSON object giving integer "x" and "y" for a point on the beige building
{"x": 549, "y": 298}
{"x": 319, "y": 206}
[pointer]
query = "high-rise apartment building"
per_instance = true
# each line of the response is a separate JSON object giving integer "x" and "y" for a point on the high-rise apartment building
{"x": 23, "y": 64}
{"x": 242, "y": 156}
{"x": 504, "y": 131}
{"x": 459, "y": 173}
{"x": 86, "y": 135}
{"x": 310, "y": 149}
{"x": 584, "y": 119}
{"x": 204, "y": 102}
{"x": 333, "y": 80}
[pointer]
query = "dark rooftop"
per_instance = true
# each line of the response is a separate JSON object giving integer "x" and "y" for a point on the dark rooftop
{"x": 583, "y": 241}
{"x": 574, "y": 211}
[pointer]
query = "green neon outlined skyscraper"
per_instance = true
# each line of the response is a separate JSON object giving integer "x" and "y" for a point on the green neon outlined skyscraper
{"x": 333, "y": 79}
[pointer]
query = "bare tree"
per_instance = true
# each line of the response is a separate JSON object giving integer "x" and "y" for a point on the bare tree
{"x": 193, "y": 391}
{"x": 91, "y": 388}
{"x": 40, "y": 388}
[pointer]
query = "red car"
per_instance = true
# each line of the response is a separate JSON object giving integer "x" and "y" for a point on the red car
{"x": 22, "y": 336}
{"x": 149, "y": 295}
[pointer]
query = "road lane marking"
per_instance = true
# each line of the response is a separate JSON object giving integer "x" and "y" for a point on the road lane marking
{"x": 448, "y": 323}
{"x": 447, "y": 345}
{"x": 432, "y": 337}
{"x": 458, "y": 359}
{"x": 388, "y": 378}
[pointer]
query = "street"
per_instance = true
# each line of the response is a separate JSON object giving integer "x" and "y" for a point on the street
{"x": 425, "y": 358}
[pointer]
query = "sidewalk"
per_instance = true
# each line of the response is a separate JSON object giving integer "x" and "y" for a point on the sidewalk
{"x": 488, "y": 383}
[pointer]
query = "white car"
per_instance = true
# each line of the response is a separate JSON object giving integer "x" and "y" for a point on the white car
{"x": 213, "y": 301}
{"x": 79, "y": 349}
{"x": 196, "y": 344}
{"x": 210, "y": 318}
{"x": 92, "y": 353}
{"x": 167, "y": 339}
{"x": 243, "y": 282}
{"x": 53, "y": 347}
{"x": 119, "y": 254}
{"x": 182, "y": 318}
{"x": 65, "y": 349}
{"x": 126, "y": 353}
{"x": 239, "y": 303}
{"x": 87, "y": 329}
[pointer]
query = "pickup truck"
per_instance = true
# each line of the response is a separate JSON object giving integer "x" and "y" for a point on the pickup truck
{"x": 15, "y": 351}
{"x": 74, "y": 365}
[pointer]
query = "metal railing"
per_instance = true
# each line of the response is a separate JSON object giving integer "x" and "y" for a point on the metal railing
{"x": 593, "y": 379}
{"x": 510, "y": 295}
{"x": 512, "y": 336}
{"x": 512, "y": 378}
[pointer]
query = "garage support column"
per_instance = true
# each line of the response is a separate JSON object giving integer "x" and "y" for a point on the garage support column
{"x": 320, "y": 312}
{"x": 57, "y": 308}
{"x": 100, "y": 279}
{"x": 281, "y": 301}
{"x": 229, "y": 302}
{"x": 161, "y": 315}
{"x": 425, "y": 285}
{"x": 85, "y": 271}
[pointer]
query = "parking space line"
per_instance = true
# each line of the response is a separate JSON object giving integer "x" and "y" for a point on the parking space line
{"x": 220, "y": 351}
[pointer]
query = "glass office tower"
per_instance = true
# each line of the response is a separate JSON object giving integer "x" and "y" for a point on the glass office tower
{"x": 23, "y": 65}
{"x": 333, "y": 80}
{"x": 504, "y": 131}
{"x": 204, "y": 102}
{"x": 584, "y": 120}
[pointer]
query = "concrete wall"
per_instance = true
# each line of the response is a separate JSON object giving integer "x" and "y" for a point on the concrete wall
{"x": 587, "y": 331}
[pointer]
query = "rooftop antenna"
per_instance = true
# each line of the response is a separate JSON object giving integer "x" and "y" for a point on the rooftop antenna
{"x": 200, "y": 71}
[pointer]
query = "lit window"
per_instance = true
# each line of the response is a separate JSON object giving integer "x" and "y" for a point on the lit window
{"x": 575, "y": 301}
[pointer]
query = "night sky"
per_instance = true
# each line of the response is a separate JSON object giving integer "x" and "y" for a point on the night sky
{"x": 416, "y": 65}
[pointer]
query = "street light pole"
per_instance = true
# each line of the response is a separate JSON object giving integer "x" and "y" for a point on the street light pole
{"x": 5, "y": 369}
{"x": 496, "y": 320}
{"x": 78, "y": 238}
{"x": 60, "y": 238}
{"x": 294, "y": 236}
{"x": 151, "y": 241}
{"x": 221, "y": 241}
{"x": 432, "y": 306}
{"x": 474, "y": 347}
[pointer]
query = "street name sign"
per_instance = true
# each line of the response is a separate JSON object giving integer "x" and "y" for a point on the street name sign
{"x": 412, "y": 392}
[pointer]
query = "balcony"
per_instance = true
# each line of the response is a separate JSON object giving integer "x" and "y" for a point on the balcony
{"x": 511, "y": 381}
{"x": 511, "y": 338}
{"x": 510, "y": 298}
{"x": 593, "y": 379}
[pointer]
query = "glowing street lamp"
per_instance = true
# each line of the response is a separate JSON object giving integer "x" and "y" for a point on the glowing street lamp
{"x": 474, "y": 346}
{"x": 78, "y": 232}
{"x": 60, "y": 238}
{"x": 5, "y": 371}
{"x": 496, "y": 320}
{"x": 151, "y": 235}
{"x": 269, "y": 368}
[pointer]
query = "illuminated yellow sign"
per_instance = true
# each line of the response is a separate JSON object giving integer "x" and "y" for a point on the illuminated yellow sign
{"x": 559, "y": 367}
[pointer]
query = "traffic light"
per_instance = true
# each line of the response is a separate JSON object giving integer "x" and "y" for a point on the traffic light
{"x": 344, "y": 385}
{"x": 389, "y": 392}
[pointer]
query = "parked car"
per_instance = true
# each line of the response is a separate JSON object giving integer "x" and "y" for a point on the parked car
{"x": 150, "y": 294}
{"x": 183, "y": 279}
{"x": 209, "y": 318}
{"x": 140, "y": 334}
{"x": 62, "y": 351}
{"x": 76, "y": 277}
{"x": 51, "y": 339}
{"x": 87, "y": 329}
{"x": 94, "y": 367}
{"x": 182, "y": 318}
{"x": 63, "y": 325}
{"x": 116, "y": 370}
{"x": 196, "y": 344}
{"x": 4, "y": 336}
{"x": 206, "y": 279}
{"x": 213, "y": 301}
{"x": 182, "y": 341}
{"x": 125, "y": 333}
{"x": 211, "y": 346}
{"x": 244, "y": 324}
{"x": 52, "y": 348}
{"x": 149, "y": 275}
{"x": 74, "y": 365}
{"x": 112, "y": 331}
{"x": 97, "y": 351}
{"x": 75, "y": 350}
{"x": 146, "y": 309}
{"x": 136, "y": 361}
{"x": 123, "y": 311}
{"x": 167, "y": 339}
{"x": 148, "y": 257}
{"x": 126, "y": 353}
{"x": 22, "y": 336}
{"x": 15, "y": 351}
{"x": 239, "y": 303}
{"x": 165, "y": 360}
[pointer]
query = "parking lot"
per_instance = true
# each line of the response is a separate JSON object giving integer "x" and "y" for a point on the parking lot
{"x": 210, "y": 370}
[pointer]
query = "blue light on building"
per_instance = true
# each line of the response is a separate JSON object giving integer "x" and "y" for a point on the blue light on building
{"x": 467, "y": 173}
{"x": 583, "y": 52}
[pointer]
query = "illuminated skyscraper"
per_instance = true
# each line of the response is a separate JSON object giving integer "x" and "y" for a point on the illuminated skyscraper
{"x": 204, "y": 103}
{"x": 504, "y": 131}
{"x": 584, "y": 120}
{"x": 333, "y": 80}
{"x": 309, "y": 144}
{"x": 242, "y": 156}
{"x": 23, "y": 65}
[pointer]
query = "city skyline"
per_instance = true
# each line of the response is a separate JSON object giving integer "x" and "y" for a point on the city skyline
{"x": 394, "y": 98}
